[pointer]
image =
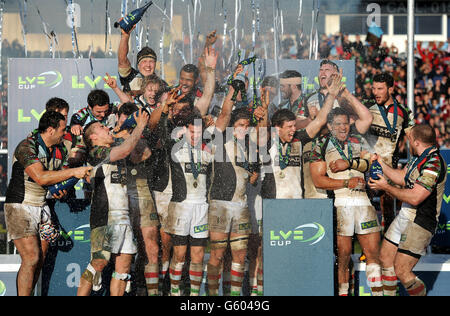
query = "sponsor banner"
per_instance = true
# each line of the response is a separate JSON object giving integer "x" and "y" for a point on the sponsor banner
{"x": 442, "y": 236}
{"x": 298, "y": 247}
{"x": 33, "y": 81}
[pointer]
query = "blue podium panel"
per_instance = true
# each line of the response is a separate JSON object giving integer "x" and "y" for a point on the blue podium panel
{"x": 442, "y": 236}
{"x": 432, "y": 269}
{"x": 298, "y": 247}
{"x": 9, "y": 266}
{"x": 69, "y": 256}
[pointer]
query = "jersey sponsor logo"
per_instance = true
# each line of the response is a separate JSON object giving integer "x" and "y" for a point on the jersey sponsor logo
{"x": 188, "y": 168}
{"x": 368, "y": 225}
{"x": 201, "y": 228}
{"x": 244, "y": 226}
{"x": 294, "y": 161}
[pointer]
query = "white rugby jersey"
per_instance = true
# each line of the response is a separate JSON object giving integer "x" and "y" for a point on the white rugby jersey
{"x": 287, "y": 183}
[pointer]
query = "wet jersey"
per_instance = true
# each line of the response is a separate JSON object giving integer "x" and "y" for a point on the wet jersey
{"x": 428, "y": 171}
{"x": 282, "y": 168}
{"x": 315, "y": 99}
{"x": 142, "y": 103}
{"x": 109, "y": 205}
{"x": 327, "y": 150}
{"x": 189, "y": 168}
{"x": 383, "y": 136}
{"x": 231, "y": 171}
{"x": 22, "y": 188}
{"x": 131, "y": 79}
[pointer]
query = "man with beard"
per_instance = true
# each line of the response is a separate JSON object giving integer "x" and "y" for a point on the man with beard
{"x": 291, "y": 90}
{"x": 37, "y": 163}
{"x": 391, "y": 121}
{"x": 360, "y": 118}
{"x": 422, "y": 184}
{"x": 354, "y": 211}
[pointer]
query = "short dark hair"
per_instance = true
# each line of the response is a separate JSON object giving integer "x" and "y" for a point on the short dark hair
{"x": 270, "y": 81}
{"x": 239, "y": 114}
{"x": 97, "y": 98}
{"x": 50, "y": 119}
{"x": 336, "y": 112}
{"x": 384, "y": 77}
{"x": 329, "y": 62}
{"x": 55, "y": 104}
{"x": 190, "y": 68}
{"x": 290, "y": 74}
{"x": 188, "y": 116}
{"x": 425, "y": 134}
{"x": 128, "y": 109}
{"x": 281, "y": 116}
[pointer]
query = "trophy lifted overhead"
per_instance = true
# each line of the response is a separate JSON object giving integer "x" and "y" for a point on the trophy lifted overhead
{"x": 126, "y": 23}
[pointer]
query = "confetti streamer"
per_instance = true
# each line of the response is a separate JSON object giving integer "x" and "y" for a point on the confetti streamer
{"x": 23, "y": 19}
{"x": 75, "y": 50}
{"x": 2, "y": 7}
{"x": 161, "y": 42}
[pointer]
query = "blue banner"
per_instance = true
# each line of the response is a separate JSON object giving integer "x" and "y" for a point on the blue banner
{"x": 298, "y": 247}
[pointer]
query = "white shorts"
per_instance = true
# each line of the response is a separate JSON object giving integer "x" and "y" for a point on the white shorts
{"x": 226, "y": 216}
{"x": 142, "y": 208}
{"x": 113, "y": 239}
{"x": 24, "y": 220}
{"x": 356, "y": 217}
{"x": 162, "y": 201}
{"x": 410, "y": 238}
{"x": 188, "y": 219}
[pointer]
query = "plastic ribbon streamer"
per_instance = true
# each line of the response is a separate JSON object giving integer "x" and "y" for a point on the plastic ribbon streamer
{"x": 75, "y": 50}
{"x": 48, "y": 36}
{"x": 238, "y": 8}
{"x": 300, "y": 22}
{"x": 314, "y": 36}
{"x": 191, "y": 35}
{"x": 2, "y": 7}
{"x": 23, "y": 19}
{"x": 224, "y": 40}
{"x": 161, "y": 42}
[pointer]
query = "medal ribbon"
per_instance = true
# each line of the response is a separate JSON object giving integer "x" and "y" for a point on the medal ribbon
{"x": 392, "y": 129}
{"x": 284, "y": 159}
{"x": 341, "y": 151}
{"x": 246, "y": 164}
{"x": 196, "y": 167}
{"x": 416, "y": 161}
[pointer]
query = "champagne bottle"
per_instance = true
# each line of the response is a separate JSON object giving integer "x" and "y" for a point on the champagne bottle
{"x": 65, "y": 185}
{"x": 126, "y": 23}
{"x": 376, "y": 170}
{"x": 130, "y": 122}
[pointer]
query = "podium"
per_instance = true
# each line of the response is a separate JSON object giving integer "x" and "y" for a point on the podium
{"x": 298, "y": 257}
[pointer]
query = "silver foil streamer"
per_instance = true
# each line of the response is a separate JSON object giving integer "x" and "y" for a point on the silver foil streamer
{"x": 76, "y": 52}
{"x": 2, "y": 7}
{"x": 161, "y": 42}
{"x": 23, "y": 20}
